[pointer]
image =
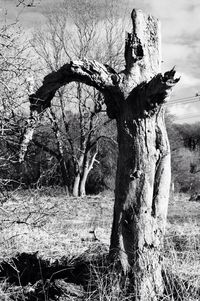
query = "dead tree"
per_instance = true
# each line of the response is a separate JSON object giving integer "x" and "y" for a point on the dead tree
{"x": 136, "y": 98}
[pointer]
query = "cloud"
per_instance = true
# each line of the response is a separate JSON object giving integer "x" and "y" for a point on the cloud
{"x": 188, "y": 85}
{"x": 188, "y": 80}
{"x": 187, "y": 88}
{"x": 186, "y": 112}
{"x": 180, "y": 33}
{"x": 181, "y": 16}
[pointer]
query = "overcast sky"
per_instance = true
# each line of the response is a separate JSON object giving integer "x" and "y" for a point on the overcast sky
{"x": 180, "y": 21}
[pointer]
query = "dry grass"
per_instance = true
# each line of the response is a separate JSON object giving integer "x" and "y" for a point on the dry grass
{"x": 55, "y": 226}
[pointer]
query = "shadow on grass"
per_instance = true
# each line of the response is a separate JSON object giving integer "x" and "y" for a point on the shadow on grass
{"x": 29, "y": 277}
{"x": 179, "y": 289}
{"x": 91, "y": 276}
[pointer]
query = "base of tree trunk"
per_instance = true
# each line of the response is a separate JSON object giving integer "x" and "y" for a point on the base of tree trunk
{"x": 141, "y": 202}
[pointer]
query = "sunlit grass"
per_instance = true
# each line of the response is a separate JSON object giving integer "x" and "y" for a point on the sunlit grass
{"x": 55, "y": 226}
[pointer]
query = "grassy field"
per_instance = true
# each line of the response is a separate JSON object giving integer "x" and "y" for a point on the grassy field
{"x": 56, "y": 235}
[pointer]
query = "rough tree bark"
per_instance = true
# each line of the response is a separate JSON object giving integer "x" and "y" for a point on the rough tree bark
{"x": 135, "y": 97}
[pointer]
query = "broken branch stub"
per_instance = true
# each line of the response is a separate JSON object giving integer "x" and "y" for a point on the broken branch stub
{"x": 142, "y": 48}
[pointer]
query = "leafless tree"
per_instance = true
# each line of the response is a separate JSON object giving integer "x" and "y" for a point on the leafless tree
{"x": 15, "y": 68}
{"x": 54, "y": 47}
{"x": 136, "y": 98}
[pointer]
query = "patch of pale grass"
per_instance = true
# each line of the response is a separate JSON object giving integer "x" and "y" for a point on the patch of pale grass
{"x": 53, "y": 226}
{"x": 182, "y": 260}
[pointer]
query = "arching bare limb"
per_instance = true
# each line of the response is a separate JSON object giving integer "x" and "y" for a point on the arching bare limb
{"x": 91, "y": 73}
{"x": 86, "y": 71}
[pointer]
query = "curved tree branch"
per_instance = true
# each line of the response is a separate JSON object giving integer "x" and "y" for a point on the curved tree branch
{"x": 85, "y": 71}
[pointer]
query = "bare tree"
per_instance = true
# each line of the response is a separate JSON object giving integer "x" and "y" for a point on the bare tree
{"x": 15, "y": 67}
{"x": 53, "y": 49}
{"x": 136, "y": 98}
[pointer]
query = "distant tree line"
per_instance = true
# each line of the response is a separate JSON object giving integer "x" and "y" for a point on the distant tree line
{"x": 185, "y": 146}
{"x": 42, "y": 168}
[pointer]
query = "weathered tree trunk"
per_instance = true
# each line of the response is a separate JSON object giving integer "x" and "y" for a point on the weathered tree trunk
{"x": 143, "y": 171}
{"x": 135, "y": 97}
{"x": 142, "y": 191}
